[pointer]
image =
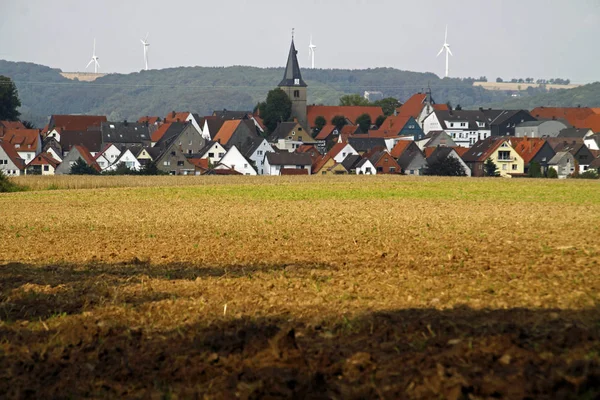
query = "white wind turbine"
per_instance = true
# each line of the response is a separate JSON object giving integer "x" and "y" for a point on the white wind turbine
{"x": 94, "y": 60}
{"x": 145, "y": 44}
{"x": 311, "y": 52}
{"x": 446, "y": 47}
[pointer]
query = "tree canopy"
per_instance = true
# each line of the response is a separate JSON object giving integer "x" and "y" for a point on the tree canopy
{"x": 82, "y": 168}
{"x": 490, "y": 168}
{"x": 9, "y": 100}
{"x": 339, "y": 121}
{"x": 354, "y": 100}
{"x": 277, "y": 108}
{"x": 448, "y": 166}
{"x": 388, "y": 105}
{"x": 364, "y": 122}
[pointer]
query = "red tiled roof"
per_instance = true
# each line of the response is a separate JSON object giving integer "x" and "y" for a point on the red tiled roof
{"x": 149, "y": 120}
{"x": 12, "y": 124}
{"x": 429, "y": 151}
{"x": 77, "y": 122}
{"x": 27, "y": 139}
{"x": 400, "y": 147}
{"x": 394, "y": 124}
{"x": 574, "y": 115}
{"x": 441, "y": 107}
{"x": 460, "y": 150}
{"x": 200, "y": 163}
{"x": 11, "y": 152}
{"x": 413, "y": 106}
{"x": 44, "y": 159}
{"x": 350, "y": 112}
{"x": 325, "y": 132}
{"x": 87, "y": 157}
{"x": 591, "y": 122}
{"x": 527, "y": 148}
{"x": 334, "y": 151}
{"x": 157, "y": 134}
{"x": 177, "y": 116}
{"x": 227, "y": 131}
{"x": 294, "y": 171}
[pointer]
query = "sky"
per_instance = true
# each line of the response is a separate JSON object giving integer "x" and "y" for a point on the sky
{"x": 493, "y": 38}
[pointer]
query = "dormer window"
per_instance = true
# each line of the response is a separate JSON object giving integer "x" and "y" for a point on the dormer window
{"x": 296, "y": 81}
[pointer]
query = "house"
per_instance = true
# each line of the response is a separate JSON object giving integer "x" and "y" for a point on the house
{"x": 184, "y": 117}
{"x": 573, "y": 115}
{"x": 358, "y": 165}
{"x": 201, "y": 164}
{"x": 54, "y": 134}
{"x": 289, "y": 136}
{"x": 162, "y": 130}
{"x": 409, "y": 157}
{"x": 239, "y": 133}
{"x": 328, "y": 166}
{"x": 340, "y": 151}
{"x": 171, "y": 152}
{"x": 400, "y": 125}
{"x": 327, "y": 134}
{"x": 9, "y": 125}
{"x": 498, "y": 149}
{"x": 76, "y": 123}
{"x": 437, "y": 154}
{"x": 143, "y": 156}
{"x": 504, "y": 122}
{"x": 236, "y": 161}
{"x": 27, "y": 142}
{"x": 533, "y": 150}
{"x": 91, "y": 140}
{"x": 107, "y": 156}
{"x": 71, "y": 158}
{"x": 575, "y": 146}
{"x": 419, "y": 106}
{"x": 435, "y": 139}
{"x": 563, "y": 163}
{"x": 126, "y": 135}
{"x": 351, "y": 113}
{"x": 365, "y": 145}
{"x": 10, "y": 162}
{"x": 212, "y": 151}
{"x": 211, "y": 127}
{"x": 42, "y": 164}
{"x": 540, "y": 129}
{"x": 257, "y": 153}
{"x": 465, "y": 127}
{"x": 128, "y": 159}
{"x": 52, "y": 147}
{"x": 592, "y": 142}
{"x": 277, "y": 161}
{"x": 580, "y": 133}
{"x": 383, "y": 162}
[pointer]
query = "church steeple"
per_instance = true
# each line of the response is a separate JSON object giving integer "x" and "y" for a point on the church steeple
{"x": 292, "y": 75}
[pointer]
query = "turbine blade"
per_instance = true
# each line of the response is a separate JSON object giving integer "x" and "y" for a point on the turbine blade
{"x": 143, "y": 42}
{"x": 438, "y": 54}
{"x": 448, "y": 48}
{"x": 90, "y": 63}
{"x": 97, "y": 64}
{"x": 146, "y": 38}
{"x": 446, "y": 35}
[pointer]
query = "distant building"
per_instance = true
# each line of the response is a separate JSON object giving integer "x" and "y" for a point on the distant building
{"x": 373, "y": 96}
{"x": 295, "y": 87}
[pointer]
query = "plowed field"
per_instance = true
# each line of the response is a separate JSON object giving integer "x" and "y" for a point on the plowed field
{"x": 316, "y": 287}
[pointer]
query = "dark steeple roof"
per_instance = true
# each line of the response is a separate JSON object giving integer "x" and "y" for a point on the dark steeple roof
{"x": 292, "y": 70}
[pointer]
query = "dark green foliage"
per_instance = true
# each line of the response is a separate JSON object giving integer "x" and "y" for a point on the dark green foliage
{"x": 364, "y": 122}
{"x": 490, "y": 168}
{"x": 320, "y": 122}
{"x": 339, "y": 121}
{"x": 380, "y": 120}
{"x": 552, "y": 174}
{"x": 354, "y": 100}
{"x": 28, "y": 125}
{"x": 589, "y": 174}
{"x": 81, "y": 168}
{"x": 151, "y": 169}
{"x": 122, "y": 169}
{"x": 535, "y": 170}
{"x": 7, "y": 185}
{"x": 9, "y": 100}
{"x": 448, "y": 166}
{"x": 587, "y": 95}
{"x": 277, "y": 108}
{"x": 388, "y": 105}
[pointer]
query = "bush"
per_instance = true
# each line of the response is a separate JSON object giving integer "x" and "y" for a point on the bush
{"x": 535, "y": 170}
{"x": 448, "y": 166}
{"x": 7, "y": 185}
{"x": 82, "y": 168}
{"x": 552, "y": 174}
{"x": 589, "y": 174}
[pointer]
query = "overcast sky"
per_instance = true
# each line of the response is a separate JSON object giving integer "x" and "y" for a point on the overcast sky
{"x": 507, "y": 38}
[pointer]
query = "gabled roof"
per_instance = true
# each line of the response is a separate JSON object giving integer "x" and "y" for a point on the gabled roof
{"x": 351, "y": 161}
{"x": 325, "y": 132}
{"x": 574, "y": 132}
{"x": 409, "y": 155}
{"x": 413, "y": 106}
{"x": 174, "y": 130}
{"x": 460, "y": 150}
{"x": 292, "y": 70}
{"x": 482, "y": 149}
{"x": 149, "y": 120}
{"x": 158, "y": 134}
{"x": 366, "y": 144}
{"x": 400, "y": 148}
{"x": 287, "y": 158}
{"x": 177, "y": 116}
{"x": 200, "y": 163}
{"x": 284, "y": 130}
{"x": 26, "y": 139}
{"x": 125, "y": 132}
{"x": 77, "y": 122}
{"x": 91, "y": 140}
{"x": 527, "y": 148}
{"x": 558, "y": 157}
{"x": 87, "y": 157}
{"x": 437, "y": 154}
{"x": 10, "y": 151}
{"x": 571, "y": 114}
{"x": 336, "y": 149}
{"x": 350, "y": 112}
{"x": 469, "y": 116}
{"x": 592, "y": 122}
{"x": 311, "y": 150}
{"x": 226, "y": 132}
{"x": 572, "y": 145}
{"x": 12, "y": 125}
{"x": 207, "y": 147}
{"x": 104, "y": 149}
{"x": 44, "y": 159}
{"x": 394, "y": 124}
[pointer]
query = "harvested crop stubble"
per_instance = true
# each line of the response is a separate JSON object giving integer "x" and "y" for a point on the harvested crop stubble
{"x": 371, "y": 286}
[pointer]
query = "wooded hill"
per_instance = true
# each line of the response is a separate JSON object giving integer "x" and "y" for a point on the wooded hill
{"x": 43, "y": 91}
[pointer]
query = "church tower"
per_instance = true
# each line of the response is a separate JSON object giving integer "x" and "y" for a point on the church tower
{"x": 293, "y": 85}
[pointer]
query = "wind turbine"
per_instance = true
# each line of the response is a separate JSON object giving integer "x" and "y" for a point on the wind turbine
{"x": 311, "y": 52}
{"x": 446, "y": 47}
{"x": 94, "y": 60}
{"x": 145, "y": 44}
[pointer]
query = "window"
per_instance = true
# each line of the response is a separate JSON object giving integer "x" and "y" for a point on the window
{"x": 46, "y": 168}
{"x": 379, "y": 169}
{"x": 503, "y": 155}
{"x": 211, "y": 155}
{"x": 324, "y": 173}
{"x": 296, "y": 81}
{"x": 412, "y": 171}
{"x": 180, "y": 163}
{"x": 392, "y": 169}
{"x": 173, "y": 153}
{"x": 245, "y": 165}
{"x": 189, "y": 151}
{"x": 167, "y": 163}
{"x": 299, "y": 137}
{"x": 385, "y": 160}
{"x": 221, "y": 155}
{"x": 296, "y": 94}
{"x": 259, "y": 153}
{"x": 190, "y": 143}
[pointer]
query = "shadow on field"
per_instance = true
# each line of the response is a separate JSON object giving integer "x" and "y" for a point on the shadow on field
{"x": 29, "y": 292}
{"x": 412, "y": 353}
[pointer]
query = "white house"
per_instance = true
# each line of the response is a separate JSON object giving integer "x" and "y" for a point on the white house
{"x": 54, "y": 133}
{"x": 102, "y": 161}
{"x": 257, "y": 154}
{"x": 213, "y": 151}
{"x": 592, "y": 142}
{"x": 111, "y": 153}
{"x": 464, "y": 127}
{"x": 10, "y": 162}
{"x": 236, "y": 161}
{"x": 54, "y": 154}
{"x": 365, "y": 167}
{"x": 128, "y": 159}
{"x": 340, "y": 151}
{"x": 276, "y": 162}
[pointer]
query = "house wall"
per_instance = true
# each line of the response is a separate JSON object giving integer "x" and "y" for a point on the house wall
{"x": 173, "y": 161}
{"x": 243, "y": 137}
{"x": 345, "y": 152}
{"x": 366, "y": 169}
{"x": 217, "y": 152}
{"x": 54, "y": 155}
{"x": 584, "y": 157}
{"x": 325, "y": 169}
{"x": 591, "y": 143}
{"x": 513, "y": 165}
{"x": 565, "y": 167}
{"x": 508, "y": 127}
{"x": 543, "y": 156}
{"x": 129, "y": 160}
{"x": 235, "y": 160}
{"x": 258, "y": 157}
{"x": 545, "y": 129}
{"x": 413, "y": 129}
{"x": 387, "y": 165}
{"x": 7, "y": 166}
{"x": 27, "y": 155}
{"x": 44, "y": 170}
{"x": 65, "y": 166}
{"x": 417, "y": 165}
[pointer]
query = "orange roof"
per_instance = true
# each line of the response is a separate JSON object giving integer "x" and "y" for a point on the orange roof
{"x": 400, "y": 147}
{"x": 394, "y": 124}
{"x": 12, "y": 124}
{"x": 44, "y": 159}
{"x": 77, "y": 122}
{"x": 350, "y": 112}
{"x": 87, "y": 157}
{"x": 441, "y": 107}
{"x": 325, "y": 132}
{"x": 10, "y": 151}
{"x": 429, "y": 151}
{"x": 177, "y": 116}
{"x": 574, "y": 115}
{"x": 157, "y": 134}
{"x": 413, "y": 106}
{"x": 527, "y": 148}
{"x": 227, "y": 131}
{"x": 311, "y": 150}
{"x": 149, "y": 120}
{"x": 200, "y": 163}
{"x": 460, "y": 150}
{"x": 591, "y": 122}
{"x": 27, "y": 139}
{"x": 335, "y": 150}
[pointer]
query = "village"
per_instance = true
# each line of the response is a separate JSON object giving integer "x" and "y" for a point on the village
{"x": 420, "y": 137}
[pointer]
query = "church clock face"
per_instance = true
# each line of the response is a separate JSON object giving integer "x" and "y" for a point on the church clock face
{"x": 296, "y": 81}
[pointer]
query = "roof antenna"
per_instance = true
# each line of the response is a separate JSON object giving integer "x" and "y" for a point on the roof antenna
{"x": 292, "y": 34}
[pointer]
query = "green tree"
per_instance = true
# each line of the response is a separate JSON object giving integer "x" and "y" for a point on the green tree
{"x": 121, "y": 169}
{"x": 353, "y": 100}
{"x": 320, "y": 122}
{"x": 448, "y": 166}
{"x": 9, "y": 100}
{"x": 552, "y": 174}
{"x": 151, "y": 169}
{"x": 339, "y": 121}
{"x": 589, "y": 174}
{"x": 535, "y": 170}
{"x": 364, "y": 122}
{"x": 490, "y": 168}
{"x": 388, "y": 105}
{"x": 277, "y": 108}
{"x": 380, "y": 120}
{"x": 82, "y": 168}
{"x": 7, "y": 185}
